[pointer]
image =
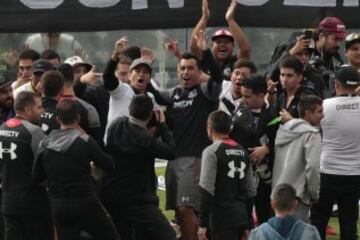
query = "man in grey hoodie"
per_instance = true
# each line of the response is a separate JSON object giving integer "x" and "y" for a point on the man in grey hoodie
{"x": 297, "y": 154}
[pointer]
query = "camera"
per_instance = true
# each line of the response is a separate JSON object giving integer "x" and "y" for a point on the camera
{"x": 308, "y": 34}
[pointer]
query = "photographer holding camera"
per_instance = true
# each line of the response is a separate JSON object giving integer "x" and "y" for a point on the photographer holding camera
{"x": 301, "y": 48}
{"x": 326, "y": 57}
{"x": 129, "y": 192}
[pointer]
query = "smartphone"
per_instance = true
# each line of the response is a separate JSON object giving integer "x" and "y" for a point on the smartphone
{"x": 308, "y": 33}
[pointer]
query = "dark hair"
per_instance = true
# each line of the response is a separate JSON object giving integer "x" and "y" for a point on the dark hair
{"x": 50, "y": 54}
{"x": 256, "y": 83}
{"x": 141, "y": 107}
{"x": 188, "y": 55}
{"x": 283, "y": 196}
{"x": 24, "y": 99}
{"x": 67, "y": 111}
{"x": 29, "y": 54}
{"x": 220, "y": 122}
{"x": 292, "y": 63}
{"x": 133, "y": 52}
{"x": 308, "y": 102}
{"x": 245, "y": 63}
{"x": 52, "y": 82}
{"x": 125, "y": 60}
{"x": 68, "y": 72}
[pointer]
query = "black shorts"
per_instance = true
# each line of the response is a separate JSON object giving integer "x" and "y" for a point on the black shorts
{"x": 182, "y": 179}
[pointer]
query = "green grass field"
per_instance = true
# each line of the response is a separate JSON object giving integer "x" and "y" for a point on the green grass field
{"x": 170, "y": 214}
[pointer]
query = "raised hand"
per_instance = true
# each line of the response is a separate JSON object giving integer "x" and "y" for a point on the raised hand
{"x": 205, "y": 9}
{"x": 201, "y": 40}
{"x": 301, "y": 44}
{"x": 172, "y": 46}
{"x": 119, "y": 47}
{"x": 147, "y": 54}
{"x": 92, "y": 77}
{"x": 231, "y": 11}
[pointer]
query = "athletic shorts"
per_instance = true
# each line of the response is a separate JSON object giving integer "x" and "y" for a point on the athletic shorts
{"x": 182, "y": 178}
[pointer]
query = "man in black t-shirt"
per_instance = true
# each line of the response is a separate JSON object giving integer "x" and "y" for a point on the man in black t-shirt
{"x": 226, "y": 182}
{"x": 189, "y": 105}
{"x": 24, "y": 204}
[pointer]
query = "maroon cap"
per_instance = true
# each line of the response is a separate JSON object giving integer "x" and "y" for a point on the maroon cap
{"x": 222, "y": 33}
{"x": 333, "y": 25}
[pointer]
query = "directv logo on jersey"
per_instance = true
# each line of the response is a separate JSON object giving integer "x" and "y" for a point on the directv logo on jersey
{"x": 10, "y": 151}
{"x": 7, "y": 133}
{"x": 183, "y": 104}
{"x": 236, "y": 152}
{"x": 47, "y": 115}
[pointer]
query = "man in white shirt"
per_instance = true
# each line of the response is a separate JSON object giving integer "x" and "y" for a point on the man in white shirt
{"x": 340, "y": 157}
{"x": 230, "y": 96}
{"x": 122, "y": 93}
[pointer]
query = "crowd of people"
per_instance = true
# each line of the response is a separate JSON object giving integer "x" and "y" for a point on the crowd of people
{"x": 250, "y": 155}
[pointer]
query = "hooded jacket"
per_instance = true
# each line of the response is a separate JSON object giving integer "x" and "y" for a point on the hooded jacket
{"x": 134, "y": 149}
{"x": 297, "y": 158}
{"x": 287, "y": 228}
{"x": 64, "y": 159}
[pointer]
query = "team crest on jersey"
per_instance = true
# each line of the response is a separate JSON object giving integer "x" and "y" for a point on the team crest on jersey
{"x": 192, "y": 94}
{"x": 176, "y": 97}
{"x": 227, "y": 72}
{"x": 238, "y": 113}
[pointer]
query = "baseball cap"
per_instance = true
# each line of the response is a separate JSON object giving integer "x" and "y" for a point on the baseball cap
{"x": 138, "y": 62}
{"x": 75, "y": 61}
{"x": 351, "y": 39}
{"x": 41, "y": 65}
{"x": 348, "y": 75}
{"x": 333, "y": 25}
{"x": 224, "y": 33}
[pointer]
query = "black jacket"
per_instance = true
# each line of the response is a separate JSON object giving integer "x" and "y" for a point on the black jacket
{"x": 64, "y": 160}
{"x": 252, "y": 129}
{"x": 134, "y": 149}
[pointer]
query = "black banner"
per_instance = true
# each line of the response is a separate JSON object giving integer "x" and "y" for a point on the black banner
{"x": 101, "y": 15}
